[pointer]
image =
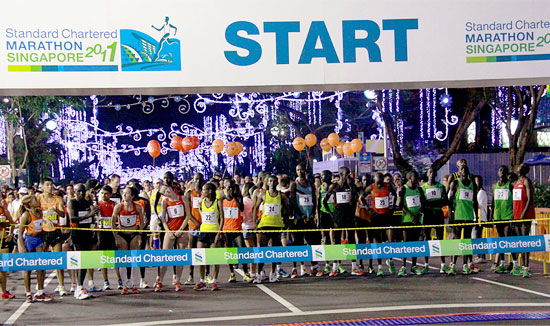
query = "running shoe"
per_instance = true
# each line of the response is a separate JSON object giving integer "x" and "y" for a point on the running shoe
{"x": 452, "y": 270}
{"x": 294, "y": 273}
{"x": 94, "y": 289}
{"x": 29, "y": 299}
{"x": 380, "y": 272}
{"x": 232, "y": 278}
{"x": 282, "y": 273}
{"x": 466, "y": 270}
{"x": 303, "y": 271}
{"x": 81, "y": 294}
{"x": 214, "y": 287}
{"x": 526, "y": 273}
{"x": 55, "y": 290}
{"x": 189, "y": 281}
{"x": 273, "y": 278}
{"x": 143, "y": 284}
{"x": 370, "y": 270}
{"x": 402, "y": 272}
{"x": 120, "y": 285}
{"x": 62, "y": 291}
{"x": 135, "y": 290}
{"x": 200, "y": 286}
{"x": 500, "y": 269}
{"x": 474, "y": 268}
{"x": 314, "y": 270}
{"x": 444, "y": 269}
{"x": 341, "y": 269}
{"x": 247, "y": 278}
{"x": 106, "y": 285}
{"x": 174, "y": 279}
{"x": 494, "y": 267}
{"x": 158, "y": 287}
{"x": 320, "y": 273}
{"x": 334, "y": 272}
{"x": 73, "y": 288}
{"x": 7, "y": 295}
{"x": 516, "y": 271}
{"x": 263, "y": 276}
{"x": 327, "y": 269}
{"x": 257, "y": 279}
{"x": 208, "y": 280}
{"x": 416, "y": 270}
{"x": 391, "y": 266}
{"x": 426, "y": 269}
{"x": 357, "y": 272}
{"x": 124, "y": 291}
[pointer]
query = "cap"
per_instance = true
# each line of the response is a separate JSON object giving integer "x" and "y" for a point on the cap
{"x": 92, "y": 184}
{"x": 23, "y": 190}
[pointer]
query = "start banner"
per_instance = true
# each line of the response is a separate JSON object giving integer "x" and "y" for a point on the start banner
{"x": 209, "y": 46}
{"x": 220, "y": 256}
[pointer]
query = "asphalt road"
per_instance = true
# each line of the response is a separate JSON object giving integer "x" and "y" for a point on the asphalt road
{"x": 290, "y": 301}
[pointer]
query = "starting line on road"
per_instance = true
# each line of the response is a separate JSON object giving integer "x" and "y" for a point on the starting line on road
{"x": 223, "y": 256}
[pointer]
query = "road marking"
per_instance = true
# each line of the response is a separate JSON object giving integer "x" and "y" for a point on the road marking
{"x": 512, "y": 287}
{"x": 274, "y": 295}
{"x": 337, "y": 311}
{"x": 409, "y": 261}
{"x": 25, "y": 305}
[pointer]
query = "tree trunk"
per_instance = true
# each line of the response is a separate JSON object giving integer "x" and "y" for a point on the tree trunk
{"x": 10, "y": 149}
{"x": 400, "y": 162}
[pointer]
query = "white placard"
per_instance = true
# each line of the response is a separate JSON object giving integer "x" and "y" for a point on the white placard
{"x": 175, "y": 211}
{"x": 466, "y": 194}
{"x": 433, "y": 193}
{"x": 209, "y": 217}
{"x": 305, "y": 200}
{"x": 502, "y": 194}
{"x": 128, "y": 220}
{"x": 381, "y": 202}
{"x": 231, "y": 212}
{"x": 413, "y": 201}
{"x": 517, "y": 194}
{"x": 343, "y": 197}
{"x": 272, "y": 209}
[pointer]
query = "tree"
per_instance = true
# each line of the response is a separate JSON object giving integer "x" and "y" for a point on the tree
{"x": 21, "y": 113}
{"x": 516, "y": 104}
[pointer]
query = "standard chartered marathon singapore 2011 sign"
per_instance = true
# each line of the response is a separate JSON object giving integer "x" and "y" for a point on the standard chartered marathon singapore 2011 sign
{"x": 72, "y": 47}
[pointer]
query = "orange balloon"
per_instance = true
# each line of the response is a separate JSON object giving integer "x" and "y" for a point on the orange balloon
{"x": 339, "y": 148}
{"x": 299, "y": 144}
{"x": 196, "y": 142}
{"x": 232, "y": 149}
{"x": 176, "y": 143}
{"x": 187, "y": 144}
{"x": 346, "y": 148}
{"x": 356, "y": 145}
{"x": 311, "y": 140}
{"x": 153, "y": 148}
{"x": 325, "y": 145}
{"x": 333, "y": 139}
{"x": 217, "y": 146}
{"x": 239, "y": 147}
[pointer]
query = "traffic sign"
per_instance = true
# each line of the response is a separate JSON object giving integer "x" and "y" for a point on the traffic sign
{"x": 5, "y": 172}
{"x": 380, "y": 163}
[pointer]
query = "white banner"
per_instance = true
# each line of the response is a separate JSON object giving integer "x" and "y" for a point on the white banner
{"x": 170, "y": 46}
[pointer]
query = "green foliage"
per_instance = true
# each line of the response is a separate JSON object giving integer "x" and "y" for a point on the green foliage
{"x": 542, "y": 196}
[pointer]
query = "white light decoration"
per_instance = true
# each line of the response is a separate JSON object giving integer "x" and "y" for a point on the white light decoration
{"x": 51, "y": 125}
{"x": 3, "y": 139}
{"x": 429, "y": 108}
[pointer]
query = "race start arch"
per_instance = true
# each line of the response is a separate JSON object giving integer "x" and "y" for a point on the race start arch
{"x": 171, "y": 46}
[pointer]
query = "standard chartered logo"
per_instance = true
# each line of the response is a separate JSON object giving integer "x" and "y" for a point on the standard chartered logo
{"x": 74, "y": 260}
{"x": 435, "y": 248}
{"x": 318, "y": 252}
{"x": 199, "y": 256}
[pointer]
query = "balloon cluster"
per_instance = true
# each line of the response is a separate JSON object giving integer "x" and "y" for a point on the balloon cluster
{"x": 232, "y": 148}
{"x": 333, "y": 140}
{"x": 180, "y": 144}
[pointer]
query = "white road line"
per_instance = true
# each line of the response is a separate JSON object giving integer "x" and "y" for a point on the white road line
{"x": 337, "y": 311}
{"x": 512, "y": 287}
{"x": 410, "y": 262}
{"x": 274, "y": 295}
{"x": 24, "y": 306}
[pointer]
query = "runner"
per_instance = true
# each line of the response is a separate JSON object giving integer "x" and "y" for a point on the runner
{"x": 303, "y": 201}
{"x": 106, "y": 239}
{"x": 146, "y": 205}
{"x": 53, "y": 212}
{"x": 248, "y": 225}
{"x": 209, "y": 237}
{"x": 194, "y": 197}
{"x": 174, "y": 221}
{"x": 272, "y": 203}
{"x": 6, "y": 238}
{"x": 82, "y": 213}
{"x": 345, "y": 197}
{"x": 411, "y": 201}
{"x": 464, "y": 206}
{"x": 129, "y": 217}
{"x": 524, "y": 208}
{"x": 503, "y": 211}
{"x": 325, "y": 215}
{"x": 436, "y": 199}
{"x": 31, "y": 223}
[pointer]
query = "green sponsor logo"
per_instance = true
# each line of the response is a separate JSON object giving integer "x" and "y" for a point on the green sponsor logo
{"x": 337, "y": 252}
{"x": 97, "y": 259}
{"x": 216, "y": 256}
{"x": 456, "y": 247}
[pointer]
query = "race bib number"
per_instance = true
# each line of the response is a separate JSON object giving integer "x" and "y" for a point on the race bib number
{"x": 197, "y": 202}
{"x": 502, "y": 194}
{"x": 466, "y": 194}
{"x": 381, "y": 202}
{"x": 104, "y": 222}
{"x": 175, "y": 211}
{"x": 231, "y": 212}
{"x": 128, "y": 220}
{"x": 413, "y": 201}
{"x": 305, "y": 200}
{"x": 272, "y": 209}
{"x": 37, "y": 225}
{"x": 84, "y": 221}
{"x": 433, "y": 193}
{"x": 517, "y": 194}
{"x": 63, "y": 220}
{"x": 343, "y": 197}
{"x": 50, "y": 216}
{"x": 209, "y": 217}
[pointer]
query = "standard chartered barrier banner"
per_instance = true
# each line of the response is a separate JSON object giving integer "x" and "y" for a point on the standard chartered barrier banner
{"x": 211, "y": 256}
